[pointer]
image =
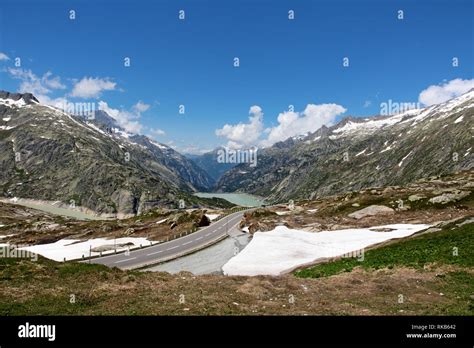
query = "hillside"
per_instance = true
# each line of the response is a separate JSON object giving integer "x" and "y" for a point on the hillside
{"x": 358, "y": 153}
{"x": 208, "y": 162}
{"x": 438, "y": 286}
{"x": 433, "y": 277}
{"x": 47, "y": 154}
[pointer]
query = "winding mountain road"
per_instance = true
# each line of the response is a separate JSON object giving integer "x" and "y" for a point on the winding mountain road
{"x": 173, "y": 249}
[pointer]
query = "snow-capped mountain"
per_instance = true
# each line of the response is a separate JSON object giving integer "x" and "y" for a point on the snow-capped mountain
{"x": 49, "y": 154}
{"x": 363, "y": 152}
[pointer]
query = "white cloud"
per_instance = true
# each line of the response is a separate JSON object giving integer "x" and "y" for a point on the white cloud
{"x": 244, "y": 134}
{"x": 192, "y": 150}
{"x": 60, "y": 102}
{"x": 141, "y": 106}
{"x": 156, "y": 132}
{"x": 31, "y": 83}
{"x": 297, "y": 123}
{"x": 90, "y": 87}
{"x": 52, "y": 82}
{"x": 129, "y": 120}
{"x": 436, "y": 94}
{"x": 3, "y": 56}
{"x": 290, "y": 124}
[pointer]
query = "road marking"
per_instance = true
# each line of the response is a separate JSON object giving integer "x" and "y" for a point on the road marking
{"x": 225, "y": 224}
{"x": 156, "y": 252}
{"x": 133, "y": 258}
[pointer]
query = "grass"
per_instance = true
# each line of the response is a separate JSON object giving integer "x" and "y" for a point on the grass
{"x": 45, "y": 287}
{"x": 436, "y": 247}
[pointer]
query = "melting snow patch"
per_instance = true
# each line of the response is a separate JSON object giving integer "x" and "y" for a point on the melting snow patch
{"x": 73, "y": 249}
{"x": 97, "y": 129}
{"x": 212, "y": 216}
{"x": 282, "y": 249}
{"x": 401, "y": 162}
{"x": 11, "y": 102}
{"x": 386, "y": 149}
{"x": 158, "y": 145}
{"x": 459, "y": 119}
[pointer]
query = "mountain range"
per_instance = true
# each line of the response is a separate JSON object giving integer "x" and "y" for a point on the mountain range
{"x": 358, "y": 153}
{"x": 48, "y": 154}
{"x": 208, "y": 162}
{"x": 92, "y": 162}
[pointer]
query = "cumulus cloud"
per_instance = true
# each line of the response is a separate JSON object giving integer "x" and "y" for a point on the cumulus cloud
{"x": 156, "y": 132}
{"x": 40, "y": 86}
{"x": 141, "y": 106}
{"x": 297, "y": 123}
{"x": 290, "y": 123}
{"x": 244, "y": 134}
{"x": 191, "y": 150}
{"x": 3, "y": 56}
{"x": 129, "y": 120}
{"x": 59, "y": 102}
{"x": 89, "y": 87}
{"x": 436, "y": 94}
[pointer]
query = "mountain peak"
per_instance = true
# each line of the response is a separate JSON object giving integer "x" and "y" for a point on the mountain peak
{"x": 28, "y": 98}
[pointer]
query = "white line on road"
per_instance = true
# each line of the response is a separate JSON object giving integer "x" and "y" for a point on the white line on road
{"x": 214, "y": 229}
{"x": 132, "y": 258}
{"x": 156, "y": 252}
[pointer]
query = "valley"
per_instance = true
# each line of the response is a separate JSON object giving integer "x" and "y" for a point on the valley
{"x": 299, "y": 171}
{"x": 301, "y": 222}
{"x": 432, "y": 270}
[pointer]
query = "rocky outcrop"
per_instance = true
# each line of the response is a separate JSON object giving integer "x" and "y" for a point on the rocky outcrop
{"x": 449, "y": 197}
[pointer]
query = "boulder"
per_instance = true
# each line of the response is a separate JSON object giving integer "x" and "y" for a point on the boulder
{"x": 371, "y": 211}
{"x": 449, "y": 197}
{"x": 414, "y": 198}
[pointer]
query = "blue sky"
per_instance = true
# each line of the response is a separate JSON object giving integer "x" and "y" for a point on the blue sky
{"x": 282, "y": 61}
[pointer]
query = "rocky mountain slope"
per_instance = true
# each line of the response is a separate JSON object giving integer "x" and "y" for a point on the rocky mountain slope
{"x": 358, "y": 153}
{"x": 208, "y": 162}
{"x": 48, "y": 154}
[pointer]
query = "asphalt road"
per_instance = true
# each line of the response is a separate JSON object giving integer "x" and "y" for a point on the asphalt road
{"x": 174, "y": 248}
